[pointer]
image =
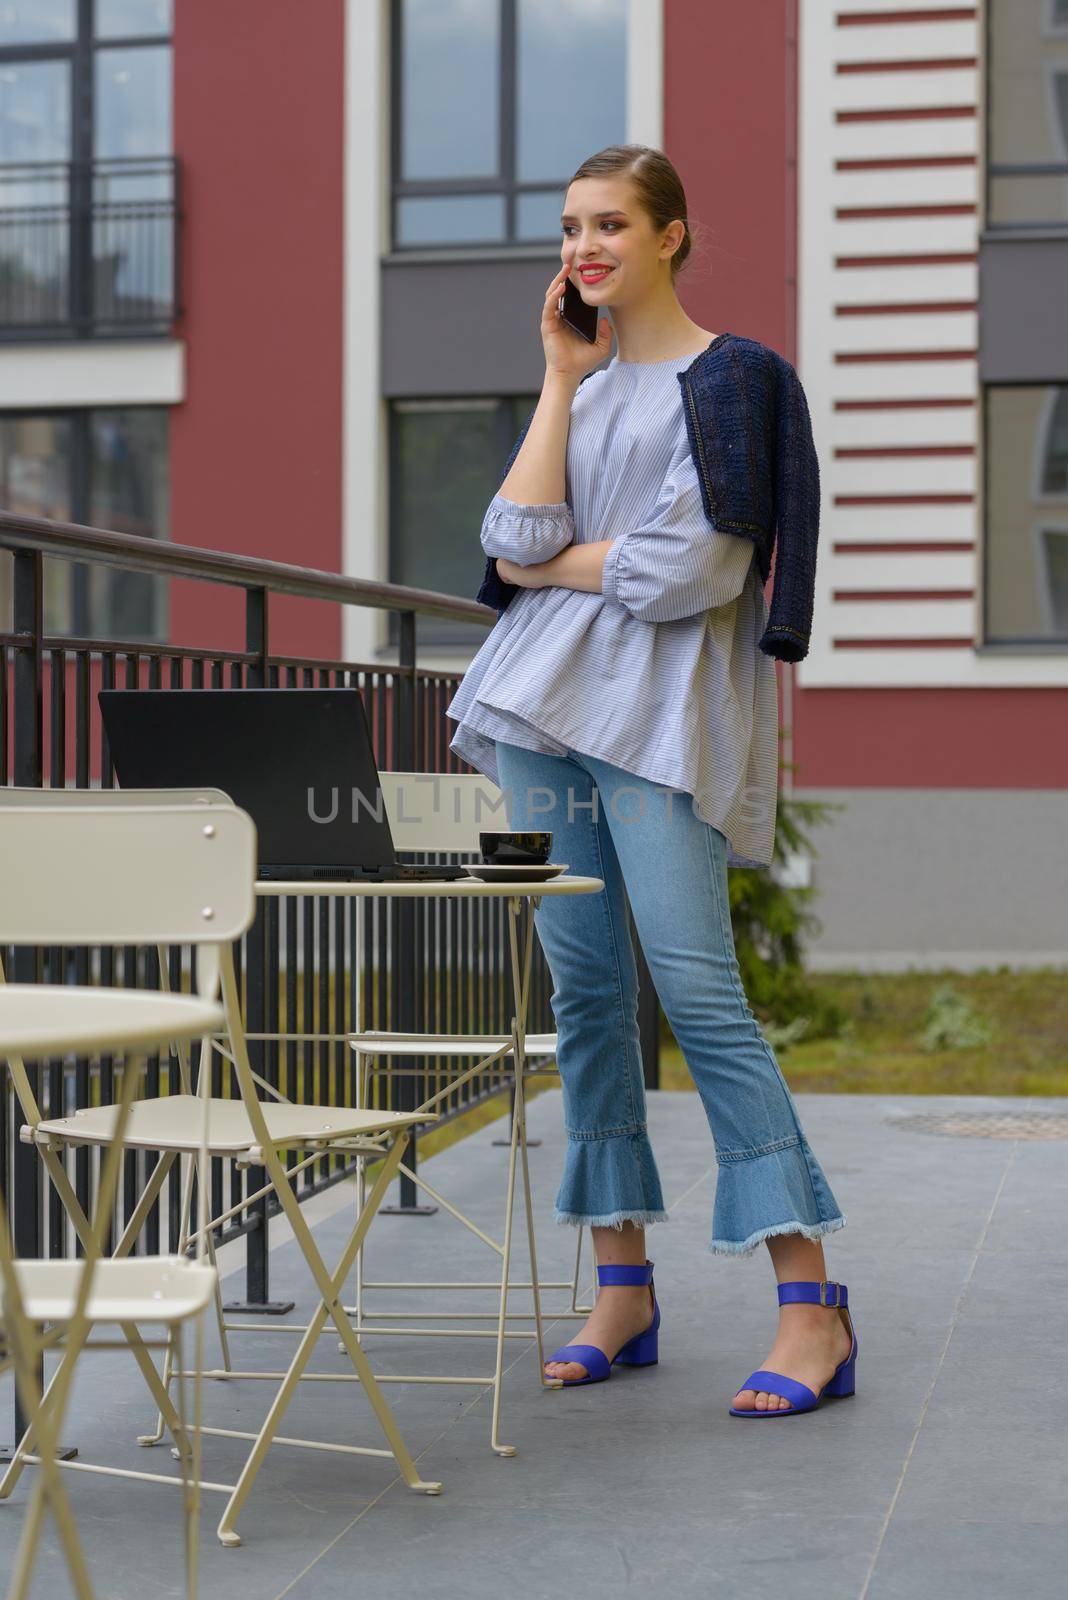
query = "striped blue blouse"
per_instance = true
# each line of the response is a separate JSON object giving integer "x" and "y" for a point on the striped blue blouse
{"x": 660, "y": 673}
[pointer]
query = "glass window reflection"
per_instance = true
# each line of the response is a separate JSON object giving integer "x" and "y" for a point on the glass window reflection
{"x": 450, "y": 57}
{"x": 37, "y": 21}
{"x": 133, "y": 102}
{"x": 1027, "y": 114}
{"x": 452, "y": 219}
{"x": 537, "y": 216}
{"x": 129, "y": 492}
{"x": 34, "y": 111}
{"x": 561, "y": 75}
{"x": 109, "y": 469}
{"x": 571, "y": 89}
{"x": 133, "y": 19}
{"x": 35, "y": 481}
{"x": 447, "y": 460}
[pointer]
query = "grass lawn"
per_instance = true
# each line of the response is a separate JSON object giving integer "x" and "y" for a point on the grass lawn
{"x": 880, "y": 1051}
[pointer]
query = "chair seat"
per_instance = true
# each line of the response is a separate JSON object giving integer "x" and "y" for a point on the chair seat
{"x": 38, "y": 1019}
{"x": 466, "y": 1044}
{"x": 134, "y": 1289}
{"x": 175, "y": 1122}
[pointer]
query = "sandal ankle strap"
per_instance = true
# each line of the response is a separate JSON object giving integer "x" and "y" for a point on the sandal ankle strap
{"x": 625, "y": 1275}
{"x": 825, "y": 1292}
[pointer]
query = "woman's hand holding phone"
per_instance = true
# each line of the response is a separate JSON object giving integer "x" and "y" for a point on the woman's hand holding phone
{"x": 539, "y": 472}
{"x": 567, "y": 353}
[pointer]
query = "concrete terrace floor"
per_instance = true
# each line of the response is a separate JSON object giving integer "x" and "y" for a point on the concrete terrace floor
{"x": 946, "y": 1475}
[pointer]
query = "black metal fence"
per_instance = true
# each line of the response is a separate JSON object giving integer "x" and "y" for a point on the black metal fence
{"x": 88, "y": 247}
{"x": 424, "y": 964}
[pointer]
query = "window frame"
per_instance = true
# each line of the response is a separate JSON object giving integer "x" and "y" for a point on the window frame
{"x": 80, "y": 166}
{"x": 1016, "y": 169}
{"x": 503, "y": 184}
{"x": 441, "y": 634}
{"x": 80, "y": 53}
{"x": 1051, "y": 28}
{"x": 1042, "y": 517}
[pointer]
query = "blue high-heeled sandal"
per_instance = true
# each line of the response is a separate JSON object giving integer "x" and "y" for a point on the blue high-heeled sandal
{"x": 641, "y": 1351}
{"x": 801, "y": 1397}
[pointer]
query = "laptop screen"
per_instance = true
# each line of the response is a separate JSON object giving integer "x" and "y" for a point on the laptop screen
{"x": 299, "y": 761}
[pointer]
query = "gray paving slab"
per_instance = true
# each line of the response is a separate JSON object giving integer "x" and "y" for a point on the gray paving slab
{"x": 946, "y": 1474}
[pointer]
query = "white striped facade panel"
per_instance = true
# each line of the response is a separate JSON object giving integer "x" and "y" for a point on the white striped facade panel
{"x": 919, "y": 524}
{"x": 876, "y": 236}
{"x": 857, "y": 9}
{"x": 903, "y": 619}
{"x": 944, "y": 330}
{"x": 932, "y": 283}
{"x": 857, "y": 140}
{"x": 895, "y": 139}
{"x": 914, "y": 666}
{"x": 907, "y": 186}
{"x": 887, "y": 569}
{"x": 893, "y": 41}
{"x": 907, "y": 425}
{"x": 883, "y": 475}
{"x": 909, "y": 380}
{"x": 878, "y": 91}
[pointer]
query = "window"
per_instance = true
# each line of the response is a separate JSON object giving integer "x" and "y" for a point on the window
{"x": 86, "y": 172}
{"x": 107, "y": 469}
{"x": 496, "y": 103}
{"x": 446, "y": 463}
{"x": 1027, "y": 114}
{"x": 1026, "y": 449}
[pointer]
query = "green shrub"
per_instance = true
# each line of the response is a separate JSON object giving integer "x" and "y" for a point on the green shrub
{"x": 951, "y": 1022}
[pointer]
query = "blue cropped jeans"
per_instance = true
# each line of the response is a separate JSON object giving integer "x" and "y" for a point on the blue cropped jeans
{"x": 648, "y": 845}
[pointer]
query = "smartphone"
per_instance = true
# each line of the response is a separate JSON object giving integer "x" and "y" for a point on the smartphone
{"x": 577, "y": 314}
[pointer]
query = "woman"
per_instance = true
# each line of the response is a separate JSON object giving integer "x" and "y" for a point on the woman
{"x": 623, "y": 702}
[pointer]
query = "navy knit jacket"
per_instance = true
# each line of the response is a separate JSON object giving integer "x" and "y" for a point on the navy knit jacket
{"x": 750, "y": 436}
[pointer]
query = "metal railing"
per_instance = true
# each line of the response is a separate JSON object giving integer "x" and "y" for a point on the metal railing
{"x": 88, "y": 248}
{"x": 438, "y": 965}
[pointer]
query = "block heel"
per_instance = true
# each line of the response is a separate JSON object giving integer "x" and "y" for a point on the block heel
{"x": 841, "y": 1383}
{"x": 641, "y": 1351}
{"x": 644, "y": 1350}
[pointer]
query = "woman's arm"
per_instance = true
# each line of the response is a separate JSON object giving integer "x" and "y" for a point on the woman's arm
{"x": 523, "y": 535}
{"x": 539, "y": 470}
{"x": 580, "y": 566}
{"x": 670, "y": 566}
{"x": 529, "y": 520}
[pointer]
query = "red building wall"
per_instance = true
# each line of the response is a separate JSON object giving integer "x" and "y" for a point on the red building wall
{"x": 256, "y": 447}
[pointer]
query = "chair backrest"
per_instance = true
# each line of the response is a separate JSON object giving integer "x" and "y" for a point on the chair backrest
{"x": 90, "y": 875}
{"x": 442, "y": 810}
{"x": 113, "y": 797}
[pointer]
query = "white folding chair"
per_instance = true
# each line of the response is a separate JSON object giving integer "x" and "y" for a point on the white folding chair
{"x": 125, "y": 843}
{"x": 447, "y": 812}
{"x": 199, "y": 795}
{"x": 69, "y": 1298}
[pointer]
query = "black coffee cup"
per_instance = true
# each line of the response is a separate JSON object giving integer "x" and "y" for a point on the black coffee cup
{"x": 515, "y": 849}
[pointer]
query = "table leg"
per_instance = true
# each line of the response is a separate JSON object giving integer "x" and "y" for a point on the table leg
{"x": 517, "y": 1145}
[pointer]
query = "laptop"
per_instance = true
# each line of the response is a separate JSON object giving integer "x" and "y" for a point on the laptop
{"x": 299, "y": 761}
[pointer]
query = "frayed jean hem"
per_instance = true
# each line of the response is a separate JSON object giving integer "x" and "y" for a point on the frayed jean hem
{"x": 746, "y": 1247}
{"x": 614, "y": 1219}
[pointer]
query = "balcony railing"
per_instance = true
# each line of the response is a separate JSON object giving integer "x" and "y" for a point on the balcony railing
{"x": 88, "y": 249}
{"x": 425, "y": 965}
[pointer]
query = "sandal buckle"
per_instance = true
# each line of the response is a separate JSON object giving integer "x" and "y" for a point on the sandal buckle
{"x": 830, "y": 1284}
